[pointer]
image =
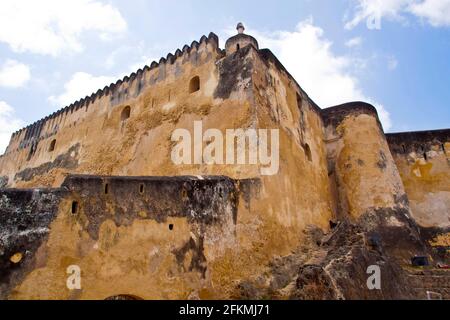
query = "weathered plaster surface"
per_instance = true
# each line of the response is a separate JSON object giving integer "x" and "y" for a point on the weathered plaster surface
{"x": 344, "y": 196}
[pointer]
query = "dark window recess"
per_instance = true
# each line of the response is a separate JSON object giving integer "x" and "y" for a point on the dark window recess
{"x": 32, "y": 151}
{"x": 141, "y": 188}
{"x": 194, "y": 84}
{"x": 126, "y": 112}
{"x": 106, "y": 188}
{"x": 299, "y": 101}
{"x": 171, "y": 227}
{"x": 52, "y": 146}
{"x": 308, "y": 152}
{"x": 404, "y": 148}
{"x": 238, "y": 47}
{"x": 420, "y": 261}
{"x": 74, "y": 207}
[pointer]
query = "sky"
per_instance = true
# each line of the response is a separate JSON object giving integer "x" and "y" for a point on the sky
{"x": 394, "y": 54}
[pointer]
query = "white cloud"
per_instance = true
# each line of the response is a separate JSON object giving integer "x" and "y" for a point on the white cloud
{"x": 435, "y": 12}
{"x": 354, "y": 42}
{"x": 83, "y": 84}
{"x": 324, "y": 75}
{"x": 52, "y": 27}
{"x": 8, "y": 124}
{"x": 372, "y": 11}
{"x": 79, "y": 86}
{"x": 14, "y": 74}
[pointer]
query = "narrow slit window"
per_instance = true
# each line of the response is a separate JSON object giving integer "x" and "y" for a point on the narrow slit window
{"x": 126, "y": 113}
{"x": 141, "y": 189}
{"x": 106, "y": 188}
{"x": 74, "y": 207}
{"x": 299, "y": 101}
{"x": 51, "y": 148}
{"x": 194, "y": 85}
{"x": 308, "y": 153}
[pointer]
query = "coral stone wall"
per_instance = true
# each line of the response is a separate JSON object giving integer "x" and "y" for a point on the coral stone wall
{"x": 115, "y": 241}
{"x": 423, "y": 160}
{"x": 154, "y": 238}
{"x": 360, "y": 159}
{"x": 299, "y": 192}
{"x": 212, "y": 235}
{"x": 93, "y": 137}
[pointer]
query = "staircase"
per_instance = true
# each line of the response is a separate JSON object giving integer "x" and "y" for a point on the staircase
{"x": 430, "y": 284}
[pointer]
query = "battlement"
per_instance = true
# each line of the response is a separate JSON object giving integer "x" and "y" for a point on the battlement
{"x": 418, "y": 141}
{"x": 132, "y": 186}
{"x": 118, "y": 90}
{"x": 336, "y": 114}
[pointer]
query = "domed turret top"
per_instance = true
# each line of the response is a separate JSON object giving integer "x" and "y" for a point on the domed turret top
{"x": 240, "y": 28}
{"x": 240, "y": 40}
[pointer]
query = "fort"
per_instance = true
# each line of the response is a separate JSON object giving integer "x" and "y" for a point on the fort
{"x": 93, "y": 185}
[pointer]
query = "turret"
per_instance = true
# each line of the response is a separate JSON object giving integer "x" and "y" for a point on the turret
{"x": 240, "y": 40}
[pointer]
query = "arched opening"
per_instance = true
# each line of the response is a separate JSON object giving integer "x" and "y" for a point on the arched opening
{"x": 74, "y": 207}
{"x": 124, "y": 297}
{"x": 51, "y": 148}
{"x": 141, "y": 188}
{"x": 299, "y": 101}
{"x": 126, "y": 112}
{"x": 194, "y": 84}
{"x": 333, "y": 224}
{"x": 307, "y": 152}
{"x": 238, "y": 47}
{"x": 171, "y": 227}
{"x": 32, "y": 151}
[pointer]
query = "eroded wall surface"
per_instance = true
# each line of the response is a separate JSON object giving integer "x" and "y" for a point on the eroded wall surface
{"x": 423, "y": 160}
{"x": 227, "y": 230}
{"x": 155, "y": 238}
{"x": 96, "y": 141}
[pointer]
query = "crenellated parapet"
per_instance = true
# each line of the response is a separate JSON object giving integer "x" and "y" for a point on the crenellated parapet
{"x": 117, "y": 92}
{"x": 419, "y": 141}
{"x": 335, "y": 115}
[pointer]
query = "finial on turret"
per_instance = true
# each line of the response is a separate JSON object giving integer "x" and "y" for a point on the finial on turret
{"x": 240, "y": 28}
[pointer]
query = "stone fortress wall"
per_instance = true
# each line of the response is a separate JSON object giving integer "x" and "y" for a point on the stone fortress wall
{"x": 83, "y": 178}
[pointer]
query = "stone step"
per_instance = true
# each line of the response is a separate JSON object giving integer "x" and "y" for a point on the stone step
{"x": 429, "y": 281}
{"x": 434, "y": 281}
{"x": 421, "y": 293}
